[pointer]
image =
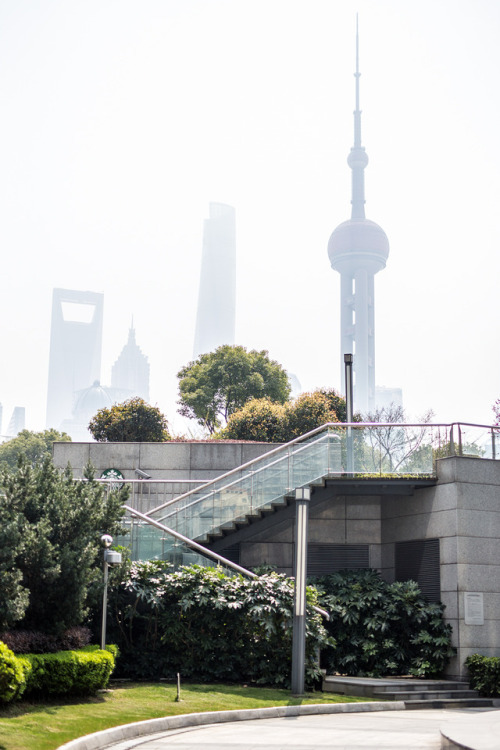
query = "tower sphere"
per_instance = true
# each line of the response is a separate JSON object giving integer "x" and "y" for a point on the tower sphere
{"x": 356, "y": 243}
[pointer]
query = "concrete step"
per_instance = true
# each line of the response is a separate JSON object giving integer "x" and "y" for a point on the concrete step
{"x": 450, "y": 703}
{"x": 427, "y": 695}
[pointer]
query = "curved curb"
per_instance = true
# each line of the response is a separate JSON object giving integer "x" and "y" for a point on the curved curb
{"x": 124, "y": 732}
{"x": 483, "y": 733}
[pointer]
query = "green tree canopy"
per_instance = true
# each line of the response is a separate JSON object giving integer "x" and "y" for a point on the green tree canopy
{"x": 217, "y": 384}
{"x": 260, "y": 419}
{"x": 133, "y": 421}
{"x": 36, "y": 446}
{"x": 50, "y": 530}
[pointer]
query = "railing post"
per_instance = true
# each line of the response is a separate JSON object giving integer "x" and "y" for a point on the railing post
{"x": 452, "y": 442}
{"x": 349, "y": 410}
{"x": 493, "y": 446}
{"x": 460, "y": 453}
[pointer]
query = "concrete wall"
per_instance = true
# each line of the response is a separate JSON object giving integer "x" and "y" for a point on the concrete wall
{"x": 463, "y": 512}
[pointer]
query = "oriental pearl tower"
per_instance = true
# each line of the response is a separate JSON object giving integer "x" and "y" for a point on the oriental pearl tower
{"x": 358, "y": 249}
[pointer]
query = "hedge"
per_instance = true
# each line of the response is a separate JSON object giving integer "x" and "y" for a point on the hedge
{"x": 81, "y": 672}
{"x": 484, "y": 674}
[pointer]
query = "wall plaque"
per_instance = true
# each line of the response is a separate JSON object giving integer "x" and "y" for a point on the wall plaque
{"x": 474, "y": 609}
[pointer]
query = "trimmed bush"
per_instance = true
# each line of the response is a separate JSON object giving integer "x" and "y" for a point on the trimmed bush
{"x": 82, "y": 672}
{"x": 382, "y": 629}
{"x": 34, "y": 642}
{"x": 484, "y": 674}
{"x": 12, "y": 675}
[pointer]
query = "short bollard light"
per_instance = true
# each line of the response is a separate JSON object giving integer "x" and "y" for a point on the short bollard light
{"x": 110, "y": 558}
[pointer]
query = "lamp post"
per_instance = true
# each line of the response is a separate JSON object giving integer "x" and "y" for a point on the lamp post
{"x": 302, "y": 497}
{"x": 110, "y": 558}
{"x": 349, "y": 409}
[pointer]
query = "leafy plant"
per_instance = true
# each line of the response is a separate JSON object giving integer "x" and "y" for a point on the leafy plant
{"x": 205, "y": 624}
{"x": 381, "y": 628}
{"x": 484, "y": 674}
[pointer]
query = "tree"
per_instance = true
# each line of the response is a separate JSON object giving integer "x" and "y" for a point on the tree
{"x": 260, "y": 419}
{"x": 133, "y": 421}
{"x": 53, "y": 526}
{"x": 219, "y": 383}
{"x": 392, "y": 445}
{"x": 36, "y": 446}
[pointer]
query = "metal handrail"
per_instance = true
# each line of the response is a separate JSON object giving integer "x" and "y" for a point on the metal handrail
{"x": 204, "y": 550}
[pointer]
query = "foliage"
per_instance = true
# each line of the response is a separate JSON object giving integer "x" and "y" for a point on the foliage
{"x": 261, "y": 419}
{"x": 382, "y": 629}
{"x": 219, "y": 383}
{"x": 133, "y": 421}
{"x": 35, "y": 446}
{"x": 53, "y": 525}
{"x": 205, "y": 624}
{"x": 35, "y": 642}
{"x": 484, "y": 674}
{"x": 12, "y": 677}
{"x": 81, "y": 672}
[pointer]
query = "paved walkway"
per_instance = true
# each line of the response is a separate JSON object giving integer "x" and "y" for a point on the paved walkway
{"x": 404, "y": 730}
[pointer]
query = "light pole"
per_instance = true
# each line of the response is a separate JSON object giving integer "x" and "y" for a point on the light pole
{"x": 349, "y": 409}
{"x": 302, "y": 497}
{"x": 110, "y": 558}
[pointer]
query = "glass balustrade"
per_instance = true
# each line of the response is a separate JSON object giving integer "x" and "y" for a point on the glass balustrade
{"x": 334, "y": 451}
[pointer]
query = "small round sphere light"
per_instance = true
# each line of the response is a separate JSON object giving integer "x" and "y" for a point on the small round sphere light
{"x": 106, "y": 540}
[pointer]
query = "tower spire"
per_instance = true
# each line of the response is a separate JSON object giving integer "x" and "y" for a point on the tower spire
{"x": 357, "y": 158}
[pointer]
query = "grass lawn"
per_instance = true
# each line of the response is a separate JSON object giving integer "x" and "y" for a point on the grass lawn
{"x": 45, "y": 726}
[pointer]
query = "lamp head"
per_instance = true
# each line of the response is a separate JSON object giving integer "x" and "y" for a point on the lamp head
{"x": 106, "y": 540}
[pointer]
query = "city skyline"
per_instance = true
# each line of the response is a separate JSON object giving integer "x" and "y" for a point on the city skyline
{"x": 121, "y": 123}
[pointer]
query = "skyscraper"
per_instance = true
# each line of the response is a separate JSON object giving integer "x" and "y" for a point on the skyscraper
{"x": 358, "y": 249}
{"x": 215, "y": 320}
{"x": 75, "y": 349}
{"x": 130, "y": 372}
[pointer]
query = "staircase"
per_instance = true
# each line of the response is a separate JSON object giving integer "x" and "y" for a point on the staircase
{"x": 415, "y": 693}
{"x": 265, "y": 485}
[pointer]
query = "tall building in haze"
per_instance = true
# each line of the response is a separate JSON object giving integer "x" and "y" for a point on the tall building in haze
{"x": 358, "y": 249}
{"x": 215, "y": 320}
{"x": 75, "y": 350}
{"x": 130, "y": 372}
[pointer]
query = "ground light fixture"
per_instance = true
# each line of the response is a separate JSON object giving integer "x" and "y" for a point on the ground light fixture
{"x": 302, "y": 497}
{"x": 110, "y": 558}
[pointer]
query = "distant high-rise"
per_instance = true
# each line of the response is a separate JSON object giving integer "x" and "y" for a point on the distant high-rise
{"x": 17, "y": 421}
{"x": 75, "y": 350}
{"x": 215, "y": 321}
{"x": 130, "y": 372}
{"x": 358, "y": 249}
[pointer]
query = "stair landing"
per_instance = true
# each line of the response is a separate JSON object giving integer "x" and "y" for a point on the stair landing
{"x": 415, "y": 693}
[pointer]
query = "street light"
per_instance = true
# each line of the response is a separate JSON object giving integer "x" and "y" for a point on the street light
{"x": 110, "y": 558}
{"x": 302, "y": 497}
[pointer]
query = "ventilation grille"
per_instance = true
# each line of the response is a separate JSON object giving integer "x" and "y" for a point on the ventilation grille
{"x": 232, "y": 553}
{"x": 323, "y": 559}
{"x": 419, "y": 561}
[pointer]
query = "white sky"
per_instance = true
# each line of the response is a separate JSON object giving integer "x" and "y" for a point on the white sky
{"x": 121, "y": 120}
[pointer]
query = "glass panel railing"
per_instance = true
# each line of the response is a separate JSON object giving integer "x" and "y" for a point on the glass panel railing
{"x": 146, "y": 542}
{"x": 370, "y": 450}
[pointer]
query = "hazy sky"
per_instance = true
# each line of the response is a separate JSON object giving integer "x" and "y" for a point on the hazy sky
{"x": 121, "y": 120}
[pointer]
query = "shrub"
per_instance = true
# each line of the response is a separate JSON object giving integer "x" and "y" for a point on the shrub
{"x": 484, "y": 674}
{"x": 12, "y": 675}
{"x": 34, "y": 642}
{"x": 381, "y": 628}
{"x": 80, "y": 672}
{"x": 210, "y": 626}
